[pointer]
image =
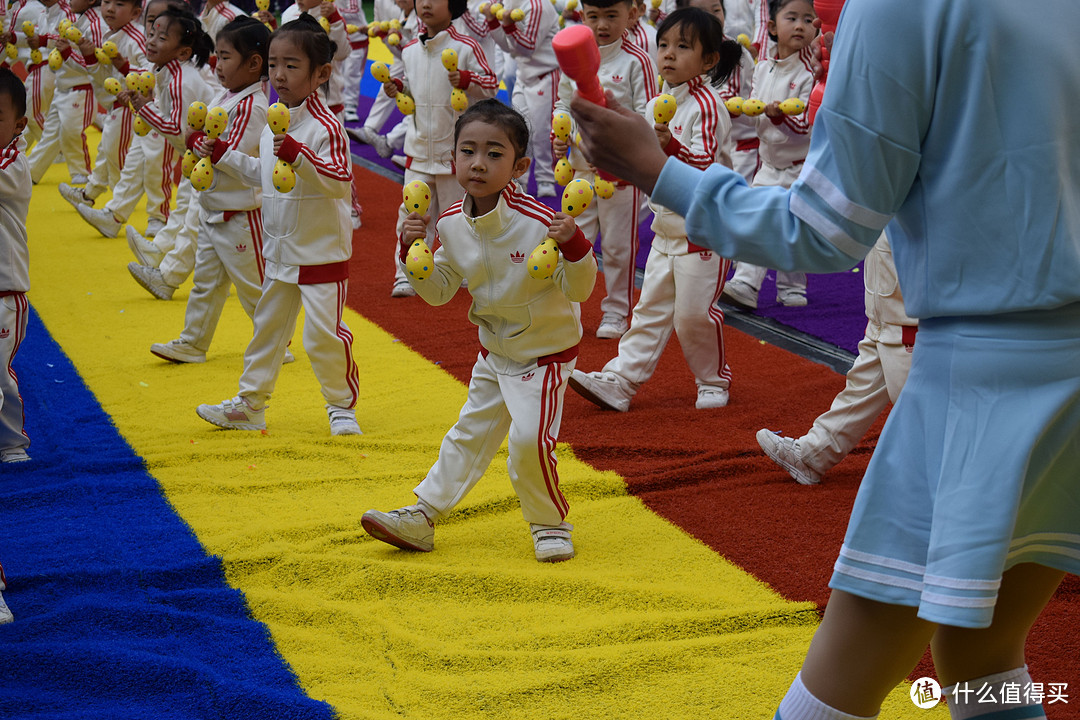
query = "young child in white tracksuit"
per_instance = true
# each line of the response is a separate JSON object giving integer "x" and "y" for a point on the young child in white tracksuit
{"x": 400, "y": 14}
{"x": 429, "y": 130}
{"x": 352, "y": 70}
{"x": 537, "y": 85}
{"x": 124, "y": 32}
{"x": 682, "y": 280}
{"x": 307, "y": 238}
{"x": 873, "y": 382}
{"x": 45, "y": 16}
{"x": 529, "y": 331}
{"x": 176, "y": 36}
{"x": 629, "y": 73}
{"x": 15, "y": 268}
{"x": 229, "y": 249}
{"x": 785, "y": 139}
{"x": 74, "y": 105}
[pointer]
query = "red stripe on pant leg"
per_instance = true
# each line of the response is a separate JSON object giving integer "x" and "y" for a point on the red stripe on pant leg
{"x": 633, "y": 248}
{"x": 89, "y": 113}
{"x": 717, "y": 316}
{"x": 21, "y": 306}
{"x": 352, "y": 372}
{"x": 255, "y": 224}
{"x": 125, "y": 139}
{"x": 545, "y": 442}
{"x": 36, "y": 89}
{"x": 168, "y": 169}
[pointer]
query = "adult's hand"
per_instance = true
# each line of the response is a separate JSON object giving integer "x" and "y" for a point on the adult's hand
{"x": 825, "y": 41}
{"x": 619, "y": 141}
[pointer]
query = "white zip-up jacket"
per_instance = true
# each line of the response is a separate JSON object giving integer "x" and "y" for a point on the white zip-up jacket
{"x": 177, "y": 86}
{"x": 247, "y": 118}
{"x": 14, "y": 205}
{"x": 429, "y": 134}
{"x": 700, "y": 136}
{"x": 307, "y": 232}
{"x": 529, "y": 41}
{"x": 627, "y": 71}
{"x": 73, "y": 72}
{"x": 785, "y": 143}
{"x": 739, "y": 83}
{"x": 518, "y": 316}
{"x": 217, "y": 17}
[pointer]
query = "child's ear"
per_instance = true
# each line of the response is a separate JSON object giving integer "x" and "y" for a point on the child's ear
{"x": 185, "y": 54}
{"x": 20, "y": 124}
{"x": 323, "y": 73}
{"x": 255, "y": 64}
{"x": 710, "y": 60}
{"x": 521, "y": 166}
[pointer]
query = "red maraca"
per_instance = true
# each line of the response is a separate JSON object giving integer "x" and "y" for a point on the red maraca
{"x": 829, "y": 12}
{"x": 579, "y": 57}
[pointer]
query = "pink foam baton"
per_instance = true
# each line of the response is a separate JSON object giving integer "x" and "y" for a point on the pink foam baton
{"x": 579, "y": 57}
{"x": 829, "y": 12}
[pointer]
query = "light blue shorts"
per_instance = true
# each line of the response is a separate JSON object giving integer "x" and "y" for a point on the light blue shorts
{"x": 977, "y": 469}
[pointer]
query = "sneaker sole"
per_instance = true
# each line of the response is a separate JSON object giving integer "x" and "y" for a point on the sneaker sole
{"x": 149, "y": 288}
{"x": 346, "y": 431}
{"x": 229, "y": 425}
{"x": 177, "y": 359}
{"x": 143, "y": 257}
{"x": 793, "y": 471}
{"x": 376, "y": 530}
{"x": 593, "y": 397}
{"x": 556, "y": 558}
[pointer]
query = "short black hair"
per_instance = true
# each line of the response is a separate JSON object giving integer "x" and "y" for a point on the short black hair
{"x": 497, "y": 113}
{"x": 697, "y": 24}
{"x": 775, "y": 6}
{"x": 192, "y": 34}
{"x": 13, "y": 87}
{"x": 248, "y": 37}
{"x": 310, "y": 37}
{"x": 606, "y": 3}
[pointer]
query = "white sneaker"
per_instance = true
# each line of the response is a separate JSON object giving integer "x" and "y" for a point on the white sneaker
{"x": 145, "y": 251}
{"x": 351, "y": 116}
{"x": 74, "y": 195}
{"x": 606, "y": 389}
{"x": 101, "y": 219}
{"x": 612, "y": 326}
{"x": 178, "y": 351}
{"x": 362, "y": 134}
{"x": 355, "y": 216}
{"x": 786, "y": 453}
{"x": 402, "y": 288}
{"x": 407, "y": 528}
{"x": 79, "y": 179}
{"x": 709, "y": 397}
{"x": 545, "y": 190}
{"x": 14, "y": 455}
{"x": 791, "y": 298}
{"x": 153, "y": 227}
{"x": 151, "y": 280}
{"x": 399, "y": 160}
{"x": 740, "y": 294}
{"x": 289, "y": 357}
{"x": 552, "y": 544}
{"x": 384, "y": 149}
{"x": 342, "y": 421}
{"x": 234, "y": 414}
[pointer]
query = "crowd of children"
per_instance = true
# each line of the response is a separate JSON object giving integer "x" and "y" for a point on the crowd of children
{"x": 287, "y": 249}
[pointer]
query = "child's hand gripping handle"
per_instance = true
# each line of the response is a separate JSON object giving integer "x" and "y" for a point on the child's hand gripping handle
{"x": 579, "y": 57}
{"x": 419, "y": 262}
{"x": 202, "y": 175}
{"x": 829, "y": 12}
{"x": 575, "y": 200}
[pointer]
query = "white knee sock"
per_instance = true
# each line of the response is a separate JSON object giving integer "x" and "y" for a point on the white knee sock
{"x": 799, "y": 704}
{"x": 1004, "y": 696}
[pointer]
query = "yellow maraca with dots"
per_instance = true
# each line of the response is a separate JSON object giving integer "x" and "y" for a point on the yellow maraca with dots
{"x": 263, "y": 5}
{"x": 62, "y": 26}
{"x": 12, "y": 50}
{"x": 324, "y": 23}
{"x": 381, "y": 72}
{"x": 449, "y": 59}
{"x": 140, "y": 126}
{"x": 564, "y": 172}
{"x": 133, "y": 81}
{"x": 73, "y": 34}
{"x": 113, "y": 86}
{"x": 664, "y": 108}
{"x": 352, "y": 29}
{"x": 517, "y": 15}
{"x": 29, "y": 28}
{"x": 576, "y": 198}
{"x": 605, "y": 189}
{"x": 752, "y": 107}
{"x": 458, "y": 99}
{"x": 147, "y": 81}
{"x": 284, "y": 174}
{"x": 734, "y": 105}
{"x": 394, "y": 38}
{"x": 202, "y": 175}
{"x": 196, "y": 119}
{"x": 55, "y": 59}
{"x": 419, "y": 262}
{"x": 110, "y": 49}
{"x": 561, "y": 125}
{"x": 405, "y": 103}
{"x": 792, "y": 106}
{"x": 35, "y": 57}
{"x": 101, "y": 56}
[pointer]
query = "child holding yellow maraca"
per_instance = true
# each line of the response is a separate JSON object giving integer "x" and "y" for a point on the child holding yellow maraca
{"x": 682, "y": 280}
{"x": 160, "y": 100}
{"x": 307, "y": 236}
{"x": 229, "y": 246}
{"x": 75, "y": 105}
{"x": 529, "y": 331}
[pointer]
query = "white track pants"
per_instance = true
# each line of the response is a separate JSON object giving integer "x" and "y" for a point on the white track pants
{"x": 149, "y": 169}
{"x": 616, "y": 220}
{"x": 355, "y": 65}
{"x": 40, "y": 86}
{"x": 180, "y": 236}
{"x": 874, "y": 380}
{"x": 14, "y": 313}
{"x": 679, "y": 293}
{"x": 537, "y": 104}
{"x": 116, "y": 136}
{"x": 327, "y": 340}
{"x": 227, "y": 253}
{"x": 524, "y": 401}
{"x": 753, "y": 275}
{"x": 71, "y": 112}
{"x": 381, "y": 108}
